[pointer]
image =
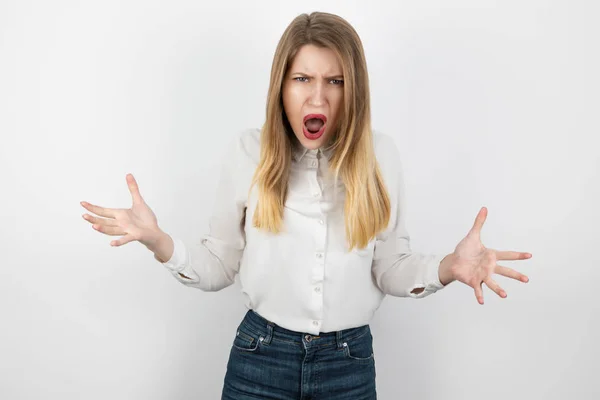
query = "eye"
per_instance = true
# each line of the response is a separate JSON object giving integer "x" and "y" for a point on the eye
{"x": 337, "y": 81}
{"x": 300, "y": 77}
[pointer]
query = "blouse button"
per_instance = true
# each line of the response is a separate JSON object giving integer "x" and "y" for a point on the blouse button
{"x": 321, "y": 222}
{"x": 315, "y": 323}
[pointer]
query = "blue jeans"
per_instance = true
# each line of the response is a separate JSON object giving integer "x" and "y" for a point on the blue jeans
{"x": 267, "y": 361}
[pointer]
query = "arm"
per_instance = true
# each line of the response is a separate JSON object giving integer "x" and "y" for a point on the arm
{"x": 212, "y": 263}
{"x": 397, "y": 270}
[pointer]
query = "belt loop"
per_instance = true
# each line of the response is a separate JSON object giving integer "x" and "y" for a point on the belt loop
{"x": 269, "y": 333}
{"x": 339, "y": 339}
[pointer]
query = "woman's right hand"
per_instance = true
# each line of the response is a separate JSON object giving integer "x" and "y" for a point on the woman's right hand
{"x": 135, "y": 223}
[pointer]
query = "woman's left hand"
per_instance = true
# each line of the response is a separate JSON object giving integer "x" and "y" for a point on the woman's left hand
{"x": 473, "y": 264}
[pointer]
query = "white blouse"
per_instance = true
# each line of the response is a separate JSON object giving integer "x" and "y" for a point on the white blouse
{"x": 304, "y": 278}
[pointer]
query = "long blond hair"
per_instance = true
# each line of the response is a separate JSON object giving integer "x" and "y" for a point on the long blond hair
{"x": 367, "y": 203}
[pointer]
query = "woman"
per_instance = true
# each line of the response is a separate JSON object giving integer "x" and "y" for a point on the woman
{"x": 310, "y": 214}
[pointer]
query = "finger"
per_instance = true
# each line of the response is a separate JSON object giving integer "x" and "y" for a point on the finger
{"x": 134, "y": 189}
{"x": 103, "y": 212}
{"x": 100, "y": 221}
{"x": 478, "y": 224}
{"x": 510, "y": 273}
{"x": 109, "y": 230}
{"x": 495, "y": 287}
{"x": 124, "y": 240}
{"x": 479, "y": 293}
{"x": 512, "y": 255}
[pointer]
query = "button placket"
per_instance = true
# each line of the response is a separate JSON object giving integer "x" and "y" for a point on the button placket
{"x": 315, "y": 187}
{"x": 318, "y": 275}
{"x": 320, "y": 232}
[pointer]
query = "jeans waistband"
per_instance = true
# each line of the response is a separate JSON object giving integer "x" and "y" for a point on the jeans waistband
{"x": 261, "y": 326}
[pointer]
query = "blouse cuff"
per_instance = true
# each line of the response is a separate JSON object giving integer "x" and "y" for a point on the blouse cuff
{"x": 177, "y": 262}
{"x": 432, "y": 277}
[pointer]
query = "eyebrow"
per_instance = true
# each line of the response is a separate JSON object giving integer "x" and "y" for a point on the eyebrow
{"x": 327, "y": 77}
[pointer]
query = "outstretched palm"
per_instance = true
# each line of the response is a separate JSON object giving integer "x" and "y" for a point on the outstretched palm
{"x": 136, "y": 223}
{"x": 474, "y": 263}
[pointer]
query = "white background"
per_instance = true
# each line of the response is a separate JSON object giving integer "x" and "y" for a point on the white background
{"x": 492, "y": 103}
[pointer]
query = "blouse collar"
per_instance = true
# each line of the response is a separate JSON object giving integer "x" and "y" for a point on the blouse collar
{"x": 299, "y": 152}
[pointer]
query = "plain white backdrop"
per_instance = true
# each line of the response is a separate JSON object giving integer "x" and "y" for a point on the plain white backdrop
{"x": 491, "y": 103}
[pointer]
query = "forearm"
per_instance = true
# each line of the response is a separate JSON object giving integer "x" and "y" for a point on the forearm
{"x": 162, "y": 247}
{"x": 209, "y": 264}
{"x": 445, "y": 271}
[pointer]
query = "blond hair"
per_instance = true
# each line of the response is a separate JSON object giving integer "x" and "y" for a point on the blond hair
{"x": 367, "y": 203}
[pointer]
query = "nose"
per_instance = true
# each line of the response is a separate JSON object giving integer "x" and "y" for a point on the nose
{"x": 317, "y": 95}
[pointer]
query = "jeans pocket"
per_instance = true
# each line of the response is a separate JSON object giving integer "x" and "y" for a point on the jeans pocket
{"x": 246, "y": 340}
{"x": 360, "y": 349}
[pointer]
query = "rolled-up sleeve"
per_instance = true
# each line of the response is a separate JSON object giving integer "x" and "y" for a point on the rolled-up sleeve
{"x": 397, "y": 270}
{"x": 212, "y": 263}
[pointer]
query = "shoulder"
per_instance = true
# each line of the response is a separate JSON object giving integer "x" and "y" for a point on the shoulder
{"x": 386, "y": 151}
{"x": 381, "y": 139}
{"x": 245, "y": 145}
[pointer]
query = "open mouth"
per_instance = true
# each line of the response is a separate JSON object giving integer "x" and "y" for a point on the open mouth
{"x": 314, "y": 125}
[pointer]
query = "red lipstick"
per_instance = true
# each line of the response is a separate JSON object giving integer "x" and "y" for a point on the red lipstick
{"x": 319, "y": 133}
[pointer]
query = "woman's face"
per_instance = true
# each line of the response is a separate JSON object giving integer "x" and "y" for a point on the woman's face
{"x": 313, "y": 92}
